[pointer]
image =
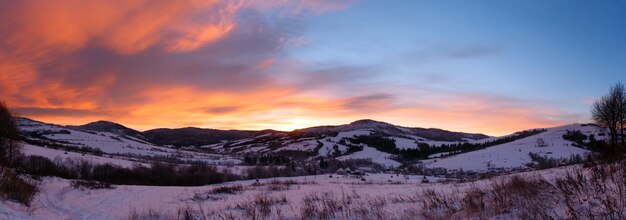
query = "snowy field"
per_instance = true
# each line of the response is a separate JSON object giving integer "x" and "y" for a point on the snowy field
{"x": 397, "y": 196}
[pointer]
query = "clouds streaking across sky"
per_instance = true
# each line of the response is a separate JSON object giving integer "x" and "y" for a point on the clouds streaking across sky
{"x": 477, "y": 66}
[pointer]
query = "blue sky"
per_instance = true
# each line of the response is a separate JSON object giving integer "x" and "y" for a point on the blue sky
{"x": 494, "y": 67}
{"x": 564, "y": 52}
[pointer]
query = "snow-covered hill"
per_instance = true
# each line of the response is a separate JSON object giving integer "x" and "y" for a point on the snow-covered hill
{"x": 335, "y": 141}
{"x": 381, "y": 143}
{"x": 358, "y": 140}
{"x": 108, "y": 142}
{"x": 516, "y": 153}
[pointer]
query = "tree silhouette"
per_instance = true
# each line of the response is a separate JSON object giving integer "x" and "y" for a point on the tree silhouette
{"x": 9, "y": 136}
{"x": 610, "y": 112}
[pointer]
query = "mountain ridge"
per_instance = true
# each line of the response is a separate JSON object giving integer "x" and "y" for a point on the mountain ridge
{"x": 194, "y": 136}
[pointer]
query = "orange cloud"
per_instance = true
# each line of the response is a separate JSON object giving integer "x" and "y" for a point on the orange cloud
{"x": 126, "y": 27}
{"x": 280, "y": 108}
{"x": 161, "y": 63}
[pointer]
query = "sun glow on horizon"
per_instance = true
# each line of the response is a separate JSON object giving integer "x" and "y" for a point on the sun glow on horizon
{"x": 288, "y": 65}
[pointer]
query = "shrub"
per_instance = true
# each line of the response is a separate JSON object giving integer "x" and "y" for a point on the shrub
{"x": 598, "y": 195}
{"x": 277, "y": 185}
{"x": 474, "y": 200}
{"x": 149, "y": 214}
{"x": 545, "y": 162}
{"x": 437, "y": 205}
{"x": 12, "y": 187}
{"x": 227, "y": 189}
{"x": 348, "y": 206}
{"x": 261, "y": 206}
{"x": 323, "y": 206}
{"x": 158, "y": 174}
{"x": 90, "y": 184}
{"x": 261, "y": 172}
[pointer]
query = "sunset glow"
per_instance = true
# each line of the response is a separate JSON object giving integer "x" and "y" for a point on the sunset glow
{"x": 285, "y": 65}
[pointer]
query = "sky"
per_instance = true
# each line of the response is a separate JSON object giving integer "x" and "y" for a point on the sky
{"x": 492, "y": 67}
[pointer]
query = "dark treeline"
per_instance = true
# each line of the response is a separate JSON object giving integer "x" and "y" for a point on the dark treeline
{"x": 65, "y": 146}
{"x": 320, "y": 165}
{"x": 384, "y": 144}
{"x": 579, "y": 139}
{"x": 352, "y": 148}
{"x": 545, "y": 162}
{"x": 423, "y": 150}
{"x": 266, "y": 160}
{"x": 161, "y": 174}
{"x": 166, "y": 174}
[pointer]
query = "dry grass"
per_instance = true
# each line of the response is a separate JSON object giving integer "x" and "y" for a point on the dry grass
{"x": 347, "y": 206}
{"x": 438, "y": 205}
{"x": 281, "y": 185}
{"x": 596, "y": 193}
{"x": 234, "y": 189}
{"x": 149, "y": 214}
{"x": 261, "y": 206}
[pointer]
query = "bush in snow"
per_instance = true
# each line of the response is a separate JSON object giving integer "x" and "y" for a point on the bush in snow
{"x": 227, "y": 189}
{"x": 90, "y": 184}
{"x": 15, "y": 188}
{"x": 595, "y": 193}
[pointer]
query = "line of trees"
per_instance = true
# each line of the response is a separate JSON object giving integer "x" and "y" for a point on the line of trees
{"x": 610, "y": 111}
{"x": 423, "y": 150}
{"x": 266, "y": 160}
{"x": 158, "y": 174}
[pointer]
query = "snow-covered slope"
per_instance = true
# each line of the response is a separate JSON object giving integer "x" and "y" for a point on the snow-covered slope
{"x": 55, "y": 154}
{"x": 516, "y": 153}
{"x": 67, "y": 138}
{"x": 340, "y": 142}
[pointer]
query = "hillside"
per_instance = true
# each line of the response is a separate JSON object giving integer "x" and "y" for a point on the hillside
{"x": 194, "y": 136}
{"x": 104, "y": 139}
{"x": 379, "y": 142}
{"x": 516, "y": 153}
{"x": 385, "y": 183}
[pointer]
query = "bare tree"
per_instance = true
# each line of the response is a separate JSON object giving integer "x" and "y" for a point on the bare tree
{"x": 610, "y": 111}
{"x": 9, "y": 135}
{"x": 619, "y": 90}
{"x": 619, "y": 95}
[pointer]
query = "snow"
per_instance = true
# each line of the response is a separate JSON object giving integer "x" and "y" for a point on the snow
{"x": 303, "y": 145}
{"x": 404, "y": 143}
{"x": 515, "y": 154}
{"x": 113, "y": 144}
{"x": 328, "y": 148}
{"x": 437, "y": 155}
{"x": 373, "y": 154}
{"x": 429, "y": 142}
{"x": 349, "y": 134}
{"x": 105, "y": 141}
{"x": 58, "y": 200}
{"x": 53, "y": 154}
